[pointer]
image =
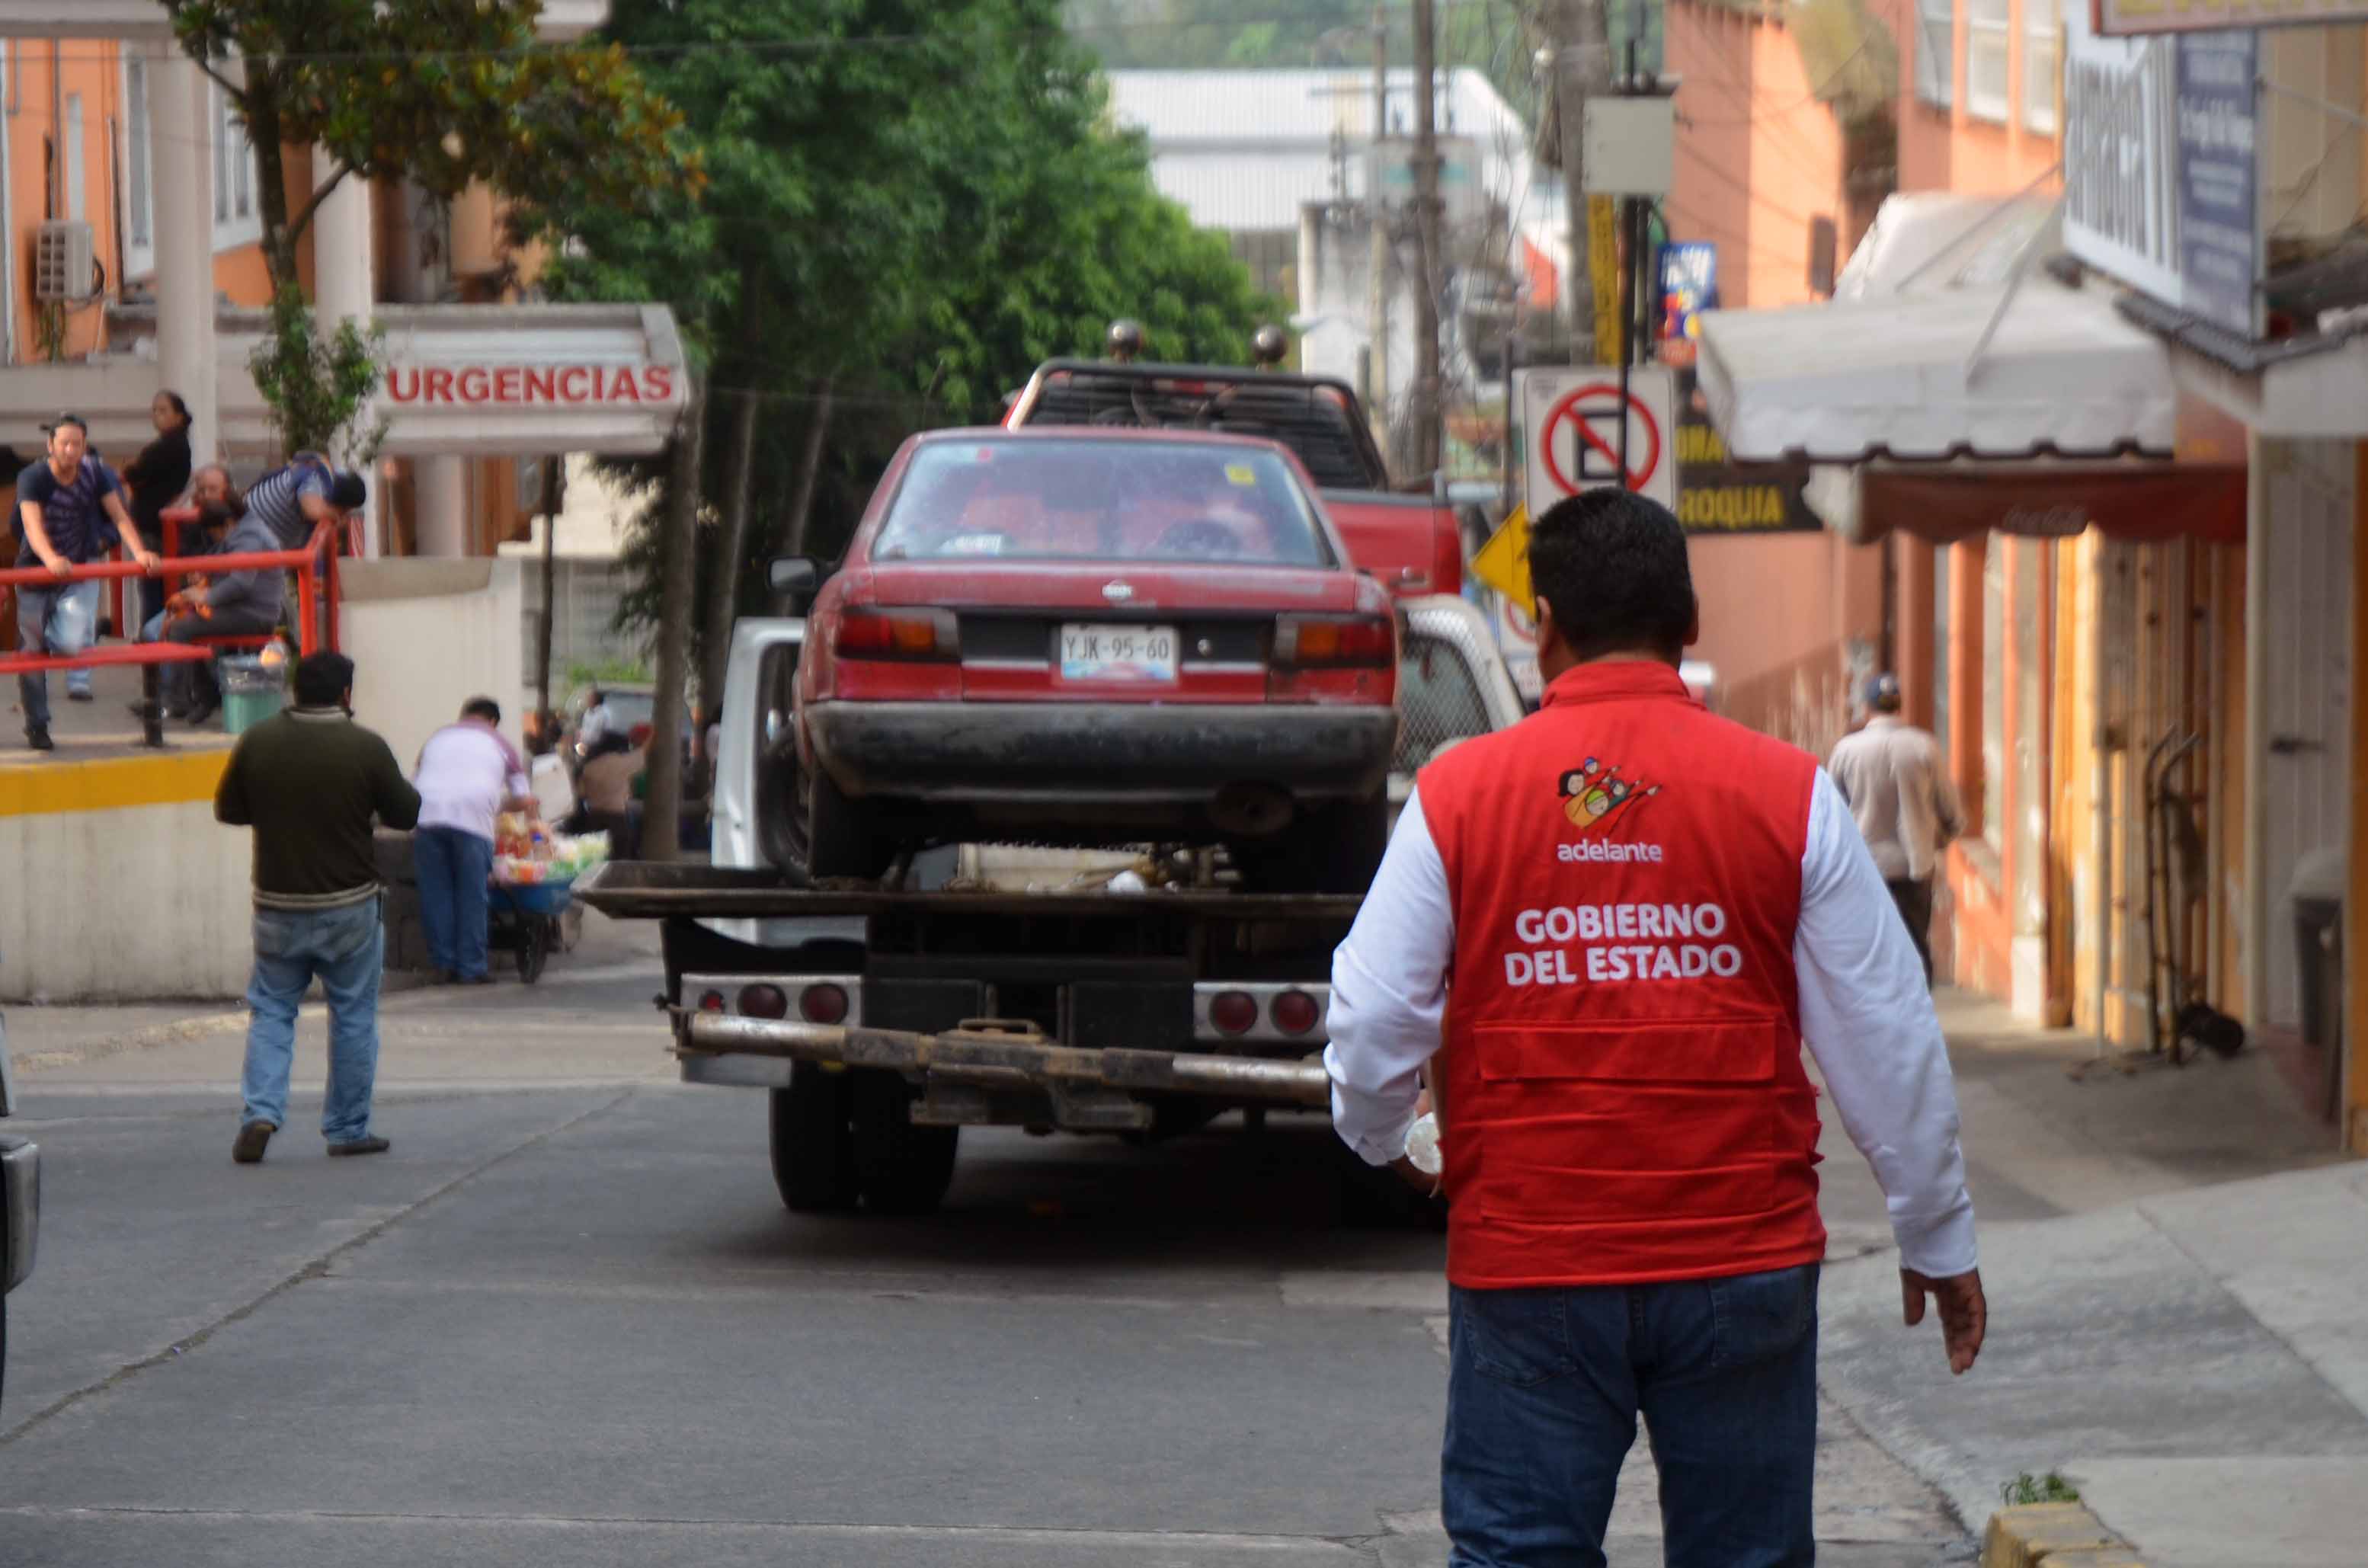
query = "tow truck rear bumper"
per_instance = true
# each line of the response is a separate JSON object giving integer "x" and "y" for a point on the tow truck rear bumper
{"x": 963, "y": 1071}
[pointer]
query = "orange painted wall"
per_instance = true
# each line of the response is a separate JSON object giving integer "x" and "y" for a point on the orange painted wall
{"x": 1949, "y": 149}
{"x": 1758, "y": 156}
{"x": 86, "y": 70}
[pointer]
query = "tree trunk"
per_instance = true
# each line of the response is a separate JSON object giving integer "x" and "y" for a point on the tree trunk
{"x": 662, "y": 811}
{"x": 793, "y": 530}
{"x": 740, "y": 478}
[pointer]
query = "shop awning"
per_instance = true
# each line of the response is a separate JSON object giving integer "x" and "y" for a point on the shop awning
{"x": 1909, "y": 376}
{"x": 2137, "y": 501}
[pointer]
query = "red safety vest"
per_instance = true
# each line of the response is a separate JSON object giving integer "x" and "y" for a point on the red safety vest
{"x": 1624, "y": 1099}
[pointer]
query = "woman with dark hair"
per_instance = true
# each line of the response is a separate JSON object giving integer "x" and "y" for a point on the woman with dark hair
{"x": 156, "y": 478}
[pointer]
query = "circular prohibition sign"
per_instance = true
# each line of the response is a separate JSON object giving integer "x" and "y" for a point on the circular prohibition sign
{"x": 1606, "y": 396}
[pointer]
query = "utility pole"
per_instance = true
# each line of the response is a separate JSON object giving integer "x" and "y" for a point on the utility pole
{"x": 1582, "y": 61}
{"x": 1377, "y": 219}
{"x": 1428, "y": 436}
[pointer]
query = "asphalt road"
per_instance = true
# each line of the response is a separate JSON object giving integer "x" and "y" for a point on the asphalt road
{"x": 567, "y": 1321}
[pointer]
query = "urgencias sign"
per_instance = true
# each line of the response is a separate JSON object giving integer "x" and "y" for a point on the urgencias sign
{"x": 2130, "y": 19}
{"x": 530, "y": 386}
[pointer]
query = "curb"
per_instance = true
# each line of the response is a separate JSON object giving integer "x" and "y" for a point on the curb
{"x": 2054, "y": 1535}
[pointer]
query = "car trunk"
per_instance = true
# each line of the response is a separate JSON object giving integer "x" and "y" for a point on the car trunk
{"x": 1056, "y": 631}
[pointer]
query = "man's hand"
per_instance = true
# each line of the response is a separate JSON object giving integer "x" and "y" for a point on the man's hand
{"x": 1964, "y": 1313}
{"x": 58, "y": 566}
{"x": 149, "y": 559}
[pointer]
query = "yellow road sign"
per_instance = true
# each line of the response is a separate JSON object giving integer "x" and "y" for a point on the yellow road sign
{"x": 1504, "y": 561}
{"x": 1603, "y": 269}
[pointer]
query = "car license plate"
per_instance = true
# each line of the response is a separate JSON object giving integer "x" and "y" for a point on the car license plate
{"x": 1145, "y": 654}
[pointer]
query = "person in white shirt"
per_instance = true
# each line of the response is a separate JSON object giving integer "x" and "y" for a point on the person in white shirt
{"x": 468, "y": 775}
{"x": 1897, "y": 786}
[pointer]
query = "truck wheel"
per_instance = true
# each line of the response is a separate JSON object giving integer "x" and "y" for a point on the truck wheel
{"x": 840, "y": 840}
{"x": 813, "y": 1145}
{"x": 1335, "y": 849}
{"x": 903, "y": 1169}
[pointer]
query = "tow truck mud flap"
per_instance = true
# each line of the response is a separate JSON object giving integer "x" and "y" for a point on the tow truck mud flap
{"x": 970, "y": 1076}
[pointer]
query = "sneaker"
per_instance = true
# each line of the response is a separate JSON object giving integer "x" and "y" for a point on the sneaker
{"x": 361, "y": 1146}
{"x": 253, "y": 1139}
{"x": 443, "y": 977}
{"x": 473, "y": 980}
{"x": 79, "y": 694}
{"x": 37, "y": 739}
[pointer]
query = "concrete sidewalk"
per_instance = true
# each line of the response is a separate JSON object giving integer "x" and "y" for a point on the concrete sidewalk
{"x": 2196, "y": 1362}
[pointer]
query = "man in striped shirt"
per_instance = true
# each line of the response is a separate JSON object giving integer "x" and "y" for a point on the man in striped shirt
{"x": 292, "y": 501}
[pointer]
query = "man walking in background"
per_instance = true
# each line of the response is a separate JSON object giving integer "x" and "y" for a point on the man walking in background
{"x": 1892, "y": 775}
{"x": 468, "y": 775}
{"x": 1616, "y": 925}
{"x": 311, "y": 782}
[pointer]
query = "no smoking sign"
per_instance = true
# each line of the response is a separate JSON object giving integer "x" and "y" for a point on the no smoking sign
{"x": 1572, "y": 422}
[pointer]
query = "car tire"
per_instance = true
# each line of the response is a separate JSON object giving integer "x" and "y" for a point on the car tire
{"x": 841, "y": 840}
{"x": 1334, "y": 849}
{"x": 814, "y": 1141}
{"x": 902, "y": 1168}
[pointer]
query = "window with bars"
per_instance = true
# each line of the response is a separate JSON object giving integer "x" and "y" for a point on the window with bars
{"x": 1936, "y": 52}
{"x": 2042, "y": 65}
{"x": 1990, "y": 47}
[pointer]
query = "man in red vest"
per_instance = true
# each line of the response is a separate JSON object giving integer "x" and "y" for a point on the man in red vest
{"x": 1615, "y": 925}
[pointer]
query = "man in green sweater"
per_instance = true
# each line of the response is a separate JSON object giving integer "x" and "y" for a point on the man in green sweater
{"x": 308, "y": 782}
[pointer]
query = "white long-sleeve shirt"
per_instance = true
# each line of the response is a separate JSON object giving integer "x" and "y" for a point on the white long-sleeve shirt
{"x": 1865, "y": 1013}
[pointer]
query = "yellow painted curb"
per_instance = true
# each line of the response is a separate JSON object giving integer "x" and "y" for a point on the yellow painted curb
{"x": 2054, "y": 1535}
{"x": 50, "y": 789}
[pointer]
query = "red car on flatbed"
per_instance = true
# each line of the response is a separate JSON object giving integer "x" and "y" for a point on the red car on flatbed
{"x": 1104, "y": 635}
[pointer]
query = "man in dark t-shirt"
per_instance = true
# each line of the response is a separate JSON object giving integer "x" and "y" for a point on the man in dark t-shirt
{"x": 69, "y": 510}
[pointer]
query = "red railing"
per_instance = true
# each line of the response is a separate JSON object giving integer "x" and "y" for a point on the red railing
{"x": 315, "y": 566}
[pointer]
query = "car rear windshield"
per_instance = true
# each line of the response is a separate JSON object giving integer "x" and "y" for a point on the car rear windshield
{"x": 1100, "y": 500}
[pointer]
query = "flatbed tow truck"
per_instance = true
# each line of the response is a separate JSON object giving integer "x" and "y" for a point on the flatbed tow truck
{"x": 1143, "y": 1014}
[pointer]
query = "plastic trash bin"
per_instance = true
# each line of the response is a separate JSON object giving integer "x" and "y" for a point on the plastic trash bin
{"x": 252, "y": 691}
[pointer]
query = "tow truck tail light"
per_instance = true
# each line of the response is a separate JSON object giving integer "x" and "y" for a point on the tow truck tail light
{"x": 898, "y": 634}
{"x": 710, "y": 1001}
{"x": 823, "y": 1004}
{"x": 1296, "y": 1013}
{"x": 764, "y": 1002}
{"x": 1302, "y": 641}
{"x": 1234, "y": 1012}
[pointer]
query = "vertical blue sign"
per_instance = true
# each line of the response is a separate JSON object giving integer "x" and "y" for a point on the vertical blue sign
{"x": 2219, "y": 226}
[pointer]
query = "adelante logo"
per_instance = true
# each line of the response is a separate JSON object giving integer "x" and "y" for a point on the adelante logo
{"x": 1594, "y": 795}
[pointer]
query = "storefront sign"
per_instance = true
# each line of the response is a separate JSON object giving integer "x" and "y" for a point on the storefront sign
{"x": 2121, "y": 200}
{"x": 528, "y": 385}
{"x": 2127, "y": 18}
{"x": 1689, "y": 287}
{"x": 2219, "y": 233}
{"x": 1719, "y": 495}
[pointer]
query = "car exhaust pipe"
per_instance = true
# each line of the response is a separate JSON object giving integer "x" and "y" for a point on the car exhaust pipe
{"x": 1251, "y": 810}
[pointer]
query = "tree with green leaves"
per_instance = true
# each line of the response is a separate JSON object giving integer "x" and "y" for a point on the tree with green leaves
{"x": 440, "y": 92}
{"x": 909, "y": 207}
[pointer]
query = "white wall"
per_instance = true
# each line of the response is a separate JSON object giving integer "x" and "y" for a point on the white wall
{"x": 148, "y": 902}
{"x": 427, "y": 635}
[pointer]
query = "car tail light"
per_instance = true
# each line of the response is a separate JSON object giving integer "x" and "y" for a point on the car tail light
{"x": 823, "y": 1004}
{"x": 898, "y": 634}
{"x": 1296, "y": 1013}
{"x": 1234, "y": 1012}
{"x": 764, "y": 1002}
{"x": 710, "y": 1001}
{"x": 1304, "y": 640}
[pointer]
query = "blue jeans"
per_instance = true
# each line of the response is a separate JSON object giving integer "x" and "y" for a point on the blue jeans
{"x": 450, "y": 866}
{"x": 62, "y": 620}
{"x": 1545, "y": 1387}
{"x": 346, "y": 948}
